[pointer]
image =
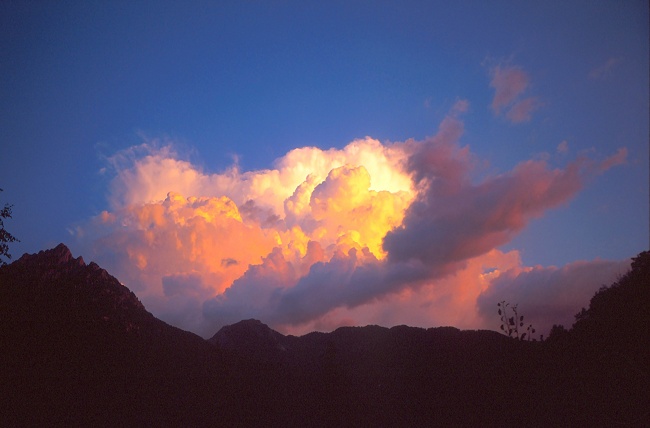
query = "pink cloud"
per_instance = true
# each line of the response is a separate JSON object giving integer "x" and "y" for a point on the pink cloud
{"x": 604, "y": 70}
{"x": 509, "y": 83}
{"x": 454, "y": 219}
{"x": 521, "y": 110}
{"x": 549, "y": 295}
{"x": 618, "y": 158}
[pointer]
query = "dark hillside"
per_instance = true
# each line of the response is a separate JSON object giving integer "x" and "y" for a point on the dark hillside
{"x": 608, "y": 349}
{"x": 403, "y": 376}
{"x": 79, "y": 349}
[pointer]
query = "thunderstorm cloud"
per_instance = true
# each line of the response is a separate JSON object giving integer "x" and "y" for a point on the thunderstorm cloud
{"x": 374, "y": 232}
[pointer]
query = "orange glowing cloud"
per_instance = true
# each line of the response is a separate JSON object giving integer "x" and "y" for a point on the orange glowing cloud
{"x": 371, "y": 233}
{"x": 172, "y": 223}
{"x": 343, "y": 208}
{"x": 187, "y": 235}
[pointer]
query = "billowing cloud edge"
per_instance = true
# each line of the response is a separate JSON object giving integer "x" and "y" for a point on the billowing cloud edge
{"x": 325, "y": 237}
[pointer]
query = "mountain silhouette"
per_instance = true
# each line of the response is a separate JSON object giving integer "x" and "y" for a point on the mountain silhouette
{"x": 248, "y": 336}
{"x": 77, "y": 348}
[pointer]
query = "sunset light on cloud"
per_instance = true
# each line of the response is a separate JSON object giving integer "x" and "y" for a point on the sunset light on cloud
{"x": 320, "y": 165}
{"x": 328, "y": 237}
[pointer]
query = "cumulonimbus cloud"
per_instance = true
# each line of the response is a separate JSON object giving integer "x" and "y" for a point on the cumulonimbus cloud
{"x": 368, "y": 233}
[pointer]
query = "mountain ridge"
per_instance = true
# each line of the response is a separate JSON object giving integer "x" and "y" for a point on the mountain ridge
{"x": 80, "y": 349}
{"x": 73, "y": 335}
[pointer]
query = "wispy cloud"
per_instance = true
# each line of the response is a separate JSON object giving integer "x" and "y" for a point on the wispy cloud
{"x": 521, "y": 111}
{"x": 618, "y": 158}
{"x": 510, "y": 83}
{"x": 604, "y": 70}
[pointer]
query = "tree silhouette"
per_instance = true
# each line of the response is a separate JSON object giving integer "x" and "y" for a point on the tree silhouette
{"x": 617, "y": 314}
{"x": 609, "y": 345}
{"x": 558, "y": 332}
{"x": 5, "y": 237}
{"x": 510, "y": 324}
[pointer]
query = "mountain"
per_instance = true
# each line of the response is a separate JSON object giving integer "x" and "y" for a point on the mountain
{"x": 400, "y": 376}
{"x": 248, "y": 336}
{"x": 77, "y": 348}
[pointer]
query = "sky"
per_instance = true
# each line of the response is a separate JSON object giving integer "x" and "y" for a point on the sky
{"x": 321, "y": 164}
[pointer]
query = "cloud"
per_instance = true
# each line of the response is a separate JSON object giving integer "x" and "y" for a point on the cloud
{"x": 603, "y": 71}
{"x": 616, "y": 159}
{"x": 369, "y": 233}
{"x": 146, "y": 173}
{"x": 450, "y": 300}
{"x": 550, "y": 295}
{"x": 510, "y": 83}
{"x": 521, "y": 110}
{"x": 454, "y": 219}
{"x": 253, "y": 294}
{"x": 467, "y": 298}
{"x": 230, "y": 229}
{"x": 563, "y": 147}
{"x": 344, "y": 202}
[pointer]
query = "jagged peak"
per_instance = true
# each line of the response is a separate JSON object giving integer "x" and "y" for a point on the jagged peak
{"x": 57, "y": 269}
{"x": 59, "y": 255}
{"x": 63, "y": 254}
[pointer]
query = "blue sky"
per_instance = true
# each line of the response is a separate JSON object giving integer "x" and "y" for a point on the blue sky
{"x": 247, "y": 82}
